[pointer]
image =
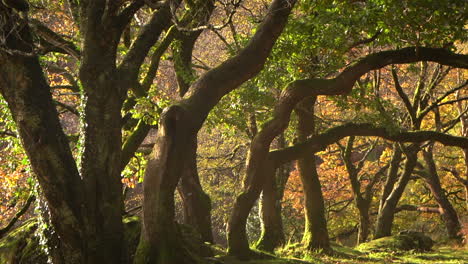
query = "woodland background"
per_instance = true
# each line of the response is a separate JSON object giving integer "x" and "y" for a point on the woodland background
{"x": 270, "y": 124}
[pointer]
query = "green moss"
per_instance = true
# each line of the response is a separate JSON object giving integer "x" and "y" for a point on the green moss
{"x": 402, "y": 242}
{"x": 22, "y": 246}
{"x": 132, "y": 229}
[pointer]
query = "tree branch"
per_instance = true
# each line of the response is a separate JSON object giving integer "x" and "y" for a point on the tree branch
{"x": 17, "y": 216}
{"x": 321, "y": 141}
{"x": 55, "y": 42}
{"x": 403, "y": 96}
{"x": 148, "y": 36}
{"x": 206, "y": 92}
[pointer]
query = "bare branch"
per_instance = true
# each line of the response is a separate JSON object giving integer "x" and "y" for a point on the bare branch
{"x": 17, "y": 216}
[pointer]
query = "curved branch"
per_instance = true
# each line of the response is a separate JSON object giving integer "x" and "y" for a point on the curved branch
{"x": 206, "y": 92}
{"x": 125, "y": 16}
{"x": 321, "y": 141}
{"x": 54, "y": 41}
{"x": 147, "y": 37}
{"x": 21, "y": 212}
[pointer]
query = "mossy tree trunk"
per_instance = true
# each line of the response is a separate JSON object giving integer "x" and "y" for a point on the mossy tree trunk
{"x": 24, "y": 87}
{"x": 272, "y": 235}
{"x": 85, "y": 207}
{"x": 316, "y": 232}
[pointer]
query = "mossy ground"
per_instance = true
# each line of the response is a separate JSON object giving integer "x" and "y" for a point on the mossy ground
{"x": 349, "y": 256}
{"x": 21, "y": 246}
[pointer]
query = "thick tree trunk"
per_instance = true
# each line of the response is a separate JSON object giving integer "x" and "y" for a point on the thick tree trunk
{"x": 272, "y": 235}
{"x": 197, "y": 204}
{"x": 160, "y": 241}
{"x": 316, "y": 232}
{"x": 448, "y": 213}
{"x": 24, "y": 87}
{"x": 364, "y": 220}
{"x": 387, "y": 212}
{"x": 101, "y": 166}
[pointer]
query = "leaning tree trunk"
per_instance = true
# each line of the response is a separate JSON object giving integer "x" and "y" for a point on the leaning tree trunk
{"x": 387, "y": 212}
{"x": 196, "y": 203}
{"x": 448, "y": 213}
{"x": 316, "y": 232}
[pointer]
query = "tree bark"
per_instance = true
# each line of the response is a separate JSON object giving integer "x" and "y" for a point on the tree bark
{"x": 180, "y": 123}
{"x": 362, "y": 201}
{"x": 448, "y": 213}
{"x": 24, "y": 87}
{"x": 392, "y": 175}
{"x": 197, "y": 204}
{"x": 364, "y": 221}
{"x": 387, "y": 212}
{"x": 316, "y": 232}
{"x": 160, "y": 241}
{"x": 272, "y": 235}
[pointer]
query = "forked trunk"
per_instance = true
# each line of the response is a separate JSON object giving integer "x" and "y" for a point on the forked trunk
{"x": 449, "y": 215}
{"x": 197, "y": 204}
{"x": 387, "y": 212}
{"x": 160, "y": 241}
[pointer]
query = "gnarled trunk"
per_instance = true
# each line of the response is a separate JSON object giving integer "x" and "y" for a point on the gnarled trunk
{"x": 272, "y": 235}
{"x": 237, "y": 235}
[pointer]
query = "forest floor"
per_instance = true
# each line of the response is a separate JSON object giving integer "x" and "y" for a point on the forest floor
{"x": 349, "y": 256}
